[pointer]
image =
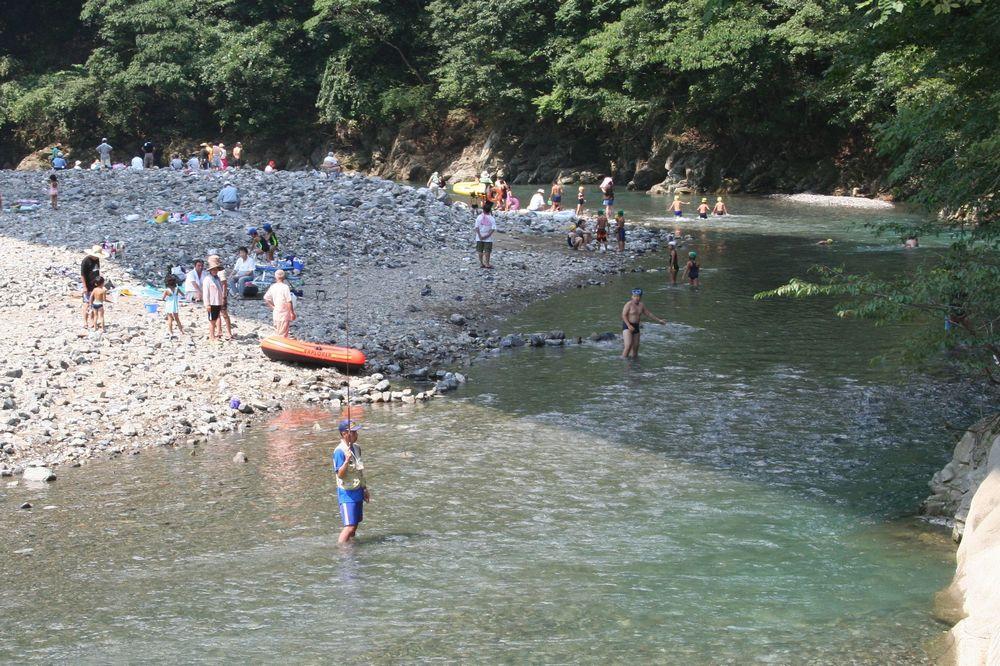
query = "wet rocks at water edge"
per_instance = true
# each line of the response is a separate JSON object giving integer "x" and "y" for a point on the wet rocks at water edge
{"x": 39, "y": 474}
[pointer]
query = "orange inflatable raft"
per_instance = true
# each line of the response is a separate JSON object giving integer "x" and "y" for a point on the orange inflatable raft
{"x": 311, "y": 353}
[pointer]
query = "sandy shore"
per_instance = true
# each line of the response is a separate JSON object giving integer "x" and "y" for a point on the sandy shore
{"x": 419, "y": 305}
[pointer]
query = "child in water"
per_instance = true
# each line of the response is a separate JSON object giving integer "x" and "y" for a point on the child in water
{"x": 602, "y": 231}
{"x": 703, "y": 209}
{"x": 172, "y": 296}
{"x": 678, "y": 206}
{"x": 692, "y": 268}
{"x": 620, "y": 230}
{"x": 580, "y": 200}
{"x": 54, "y": 192}
{"x": 720, "y": 207}
{"x": 98, "y": 297}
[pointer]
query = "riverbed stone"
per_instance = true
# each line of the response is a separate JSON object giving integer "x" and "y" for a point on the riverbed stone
{"x": 42, "y": 474}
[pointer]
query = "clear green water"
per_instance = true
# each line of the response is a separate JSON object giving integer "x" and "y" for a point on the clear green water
{"x": 738, "y": 495}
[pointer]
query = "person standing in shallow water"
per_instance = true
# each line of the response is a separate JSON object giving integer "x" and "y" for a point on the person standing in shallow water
{"x": 631, "y": 323}
{"x": 352, "y": 491}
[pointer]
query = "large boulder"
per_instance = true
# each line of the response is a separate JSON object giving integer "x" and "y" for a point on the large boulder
{"x": 973, "y": 598}
{"x": 41, "y": 160}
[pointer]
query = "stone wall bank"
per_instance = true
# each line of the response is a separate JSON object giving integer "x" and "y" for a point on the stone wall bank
{"x": 968, "y": 489}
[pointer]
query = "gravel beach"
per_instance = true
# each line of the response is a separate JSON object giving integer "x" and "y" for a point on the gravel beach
{"x": 419, "y": 305}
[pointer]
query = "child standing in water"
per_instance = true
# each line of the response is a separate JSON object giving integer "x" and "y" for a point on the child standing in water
{"x": 678, "y": 206}
{"x": 602, "y": 231}
{"x": 580, "y": 200}
{"x": 98, "y": 297}
{"x": 703, "y": 209}
{"x": 620, "y": 230}
{"x": 692, "y": 268}
{"x": 675, "y": 264}
{"x": 172, "y": 296}
{"x": 720, "y": 207}
{"x": 54, "y": 192}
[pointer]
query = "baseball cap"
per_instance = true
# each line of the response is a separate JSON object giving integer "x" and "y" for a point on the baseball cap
{"x": 348, "y": 425}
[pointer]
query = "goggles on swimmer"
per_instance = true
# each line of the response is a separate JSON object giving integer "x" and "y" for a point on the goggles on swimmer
{"x": 637, "y": 292}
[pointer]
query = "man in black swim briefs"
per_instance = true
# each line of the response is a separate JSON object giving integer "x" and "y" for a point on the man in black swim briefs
{"x": 631, "y": 315}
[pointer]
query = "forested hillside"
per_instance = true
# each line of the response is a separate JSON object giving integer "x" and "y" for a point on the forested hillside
{"x": 899, "y": 94}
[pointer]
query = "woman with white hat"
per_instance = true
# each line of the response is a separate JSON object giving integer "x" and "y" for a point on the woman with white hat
{"x": 537, "y": 200}
{"x": 211, "y": 294}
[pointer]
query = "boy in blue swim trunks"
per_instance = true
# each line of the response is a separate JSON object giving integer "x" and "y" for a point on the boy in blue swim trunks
{"x": 678, "y": 206}
{"x": 352, "y": 491}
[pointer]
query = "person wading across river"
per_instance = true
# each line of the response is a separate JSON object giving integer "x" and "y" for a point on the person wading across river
{"x": 352, "y": 491}
{"x": 631, "y": 315}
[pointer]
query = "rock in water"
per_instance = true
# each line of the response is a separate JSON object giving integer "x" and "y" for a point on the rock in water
{"x": 43, "y": 474}
{"x": 240, "y": 457}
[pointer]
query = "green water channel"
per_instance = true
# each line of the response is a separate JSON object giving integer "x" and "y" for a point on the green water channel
{"x": 741, "y": 494}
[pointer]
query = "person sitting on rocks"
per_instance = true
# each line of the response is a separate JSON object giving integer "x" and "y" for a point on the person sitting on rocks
{"x": 258, "y": 246}
{"x": 59, "y": 162}
{"x": 279, "y": 298}
{"x": 137, "y": 163}
{"x": 194, "y": 281}
{"x": 331, "y": 164}
{"x": 242, "y": 272}
{"x": 271, "y": 167}
{"x": 271, "y": 238}
{"x": 176, "y": 163}
{"x": 193, "y": 164}
{"x": 574, "y": 237}
{"x": 229, "y": 197}
{"x": 537, "y": 200}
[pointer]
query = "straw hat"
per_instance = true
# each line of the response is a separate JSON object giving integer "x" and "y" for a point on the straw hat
{"x": 214, "y": 261}
{"x": 97, "y": 252}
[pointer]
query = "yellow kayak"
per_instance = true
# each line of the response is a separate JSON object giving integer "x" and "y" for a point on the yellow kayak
{"x": 468, "y": 188}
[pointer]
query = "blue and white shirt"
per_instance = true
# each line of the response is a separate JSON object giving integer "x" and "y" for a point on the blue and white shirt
{"x": 351, "y": 488}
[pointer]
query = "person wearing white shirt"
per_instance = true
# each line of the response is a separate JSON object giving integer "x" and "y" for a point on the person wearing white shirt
{"x": 137, "y": 163}
{"x": 193, "y": 281}
{"x": 242, "y": 273}
{"x": 486, "y": 226}
{"x": 537, "y": 200}
{"x": 331, "y": 164}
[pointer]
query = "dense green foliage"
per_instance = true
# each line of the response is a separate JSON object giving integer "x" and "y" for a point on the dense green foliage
{"x": 909, "y": 86}
{"x": 906, "y": 84}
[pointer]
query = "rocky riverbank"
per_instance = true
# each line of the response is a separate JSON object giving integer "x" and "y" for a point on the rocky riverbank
{"x": 967, "y": 491}
{"x": 391, "y": 264}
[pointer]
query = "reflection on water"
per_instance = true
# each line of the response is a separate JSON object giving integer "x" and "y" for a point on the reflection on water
{"x": 740, "y": 494}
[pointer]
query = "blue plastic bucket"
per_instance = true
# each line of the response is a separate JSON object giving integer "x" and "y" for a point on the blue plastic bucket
{"x": 152, "y": 308}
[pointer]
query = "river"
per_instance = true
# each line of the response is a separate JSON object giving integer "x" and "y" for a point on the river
{"x": 743, "y": 493}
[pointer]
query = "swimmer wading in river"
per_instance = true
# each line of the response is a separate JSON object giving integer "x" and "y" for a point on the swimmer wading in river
{"x": 631, "y": 325}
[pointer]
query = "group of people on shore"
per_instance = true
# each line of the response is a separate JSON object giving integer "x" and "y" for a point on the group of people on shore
{"x": 207, "y": 156}
{"x": 206, "y": 284}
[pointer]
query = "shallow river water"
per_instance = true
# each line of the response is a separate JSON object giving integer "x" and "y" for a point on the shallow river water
{"x": 741, "y": 494}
